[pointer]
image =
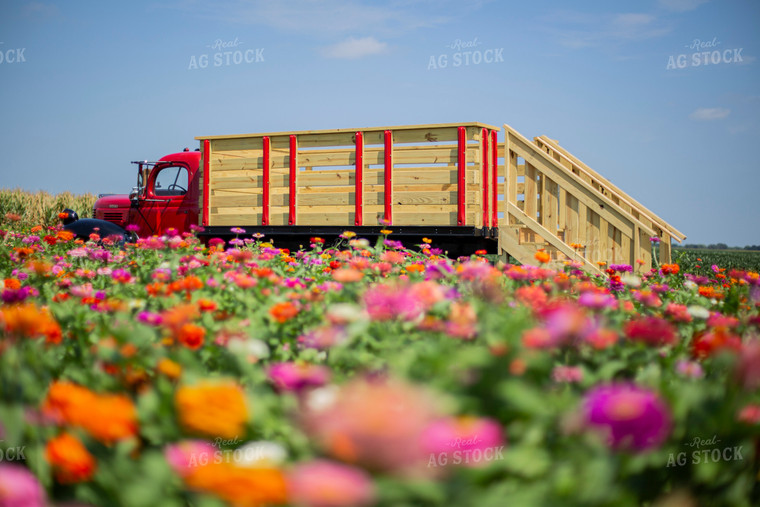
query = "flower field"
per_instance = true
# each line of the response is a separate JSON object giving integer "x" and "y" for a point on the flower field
{"x": 171, "y": 373}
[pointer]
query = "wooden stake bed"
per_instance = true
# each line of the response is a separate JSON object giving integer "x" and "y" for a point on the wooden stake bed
{"x": 455, "y": 179}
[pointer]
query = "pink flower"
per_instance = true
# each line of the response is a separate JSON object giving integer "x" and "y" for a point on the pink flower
{"x": 377, "y": 424}
{"x": 469, "y": 441}
{"x": 388, "y": 302}
{"x": 678, "y": 313}
{"x": 629, "y": 416}
{"x": 750, "y": 414}
{"x": 188, "y": 454}
{"x": 324, "y": 483}
{"x": 297, "y": 376}
{"x": 597, "y": 300}
{"x": 567, "y": 374}
{"x": 689, "y": 369}
{"x": 19, "y": 487}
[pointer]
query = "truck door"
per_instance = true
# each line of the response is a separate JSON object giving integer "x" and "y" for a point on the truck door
{"x": 168, "y": 203}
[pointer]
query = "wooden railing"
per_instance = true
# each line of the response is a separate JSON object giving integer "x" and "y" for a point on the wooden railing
{"x": 662, "y": 229}
{"x": 554, "y": 203}
{"x": 411, "y": 175}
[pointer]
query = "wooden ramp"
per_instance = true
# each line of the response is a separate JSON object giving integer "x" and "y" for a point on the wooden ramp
{"x": 554, "y": 202}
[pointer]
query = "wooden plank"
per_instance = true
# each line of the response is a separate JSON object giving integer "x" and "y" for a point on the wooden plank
{"x": 549, "y": 199}
{"x": 471, "y": 126}
{"x": 531, "y": 191}
{"x": 400, "y": 198}
{"x": 665, "y": 256}
{"x": 549, "y": 237}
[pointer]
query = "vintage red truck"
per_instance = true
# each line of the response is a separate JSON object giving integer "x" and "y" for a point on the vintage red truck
{"x": 457, "y": 183}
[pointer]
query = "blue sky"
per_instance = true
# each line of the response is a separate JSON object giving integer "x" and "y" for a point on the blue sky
{"x": 103, "y": 83}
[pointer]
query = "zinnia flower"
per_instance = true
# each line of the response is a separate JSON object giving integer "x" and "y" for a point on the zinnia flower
{"x": 464, "y": 440}
{"x": 629, "y": 416}
{"x": 212, "y": 409}
{"x": 70, "y": 460}
{"x": 650, "y": 330}
{"x": 297, "y": 376}
{"x": 19, "y": 487}
{"x": 324, "y": 483}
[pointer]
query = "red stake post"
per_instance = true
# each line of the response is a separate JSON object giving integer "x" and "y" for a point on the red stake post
{"x": 495, "y": 180}
{"x": 265, "y": 200}
{"x": 359, "y": 191}
{"x": 206, "y": 171}
{"x": 461, "y": 167}
{"x": 388, "y": 178}
{"x": 292, "y": 181}
{"x": 486, "y": 157}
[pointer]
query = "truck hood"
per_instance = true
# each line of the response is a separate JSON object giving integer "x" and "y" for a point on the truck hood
{"x": 112, "y": 201}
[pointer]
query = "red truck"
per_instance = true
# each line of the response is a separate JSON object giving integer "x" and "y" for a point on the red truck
{"x": 454, "y": 183}
{"x": 166, "y": 196}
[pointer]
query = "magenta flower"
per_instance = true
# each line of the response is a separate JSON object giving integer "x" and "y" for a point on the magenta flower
{"x": 324, "y": 483}
{"x": 690, "y": 369}
{"x": 19, "y": 487}
{"x": 597, "y": 300}
{"x": 386, "y": 302}
{"x": 297, "y": 376}
{"x": 631, "y": 417}
{"x": 466, "y": 441}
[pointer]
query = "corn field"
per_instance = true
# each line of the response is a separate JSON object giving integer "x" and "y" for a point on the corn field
{"x": 40, "y": 208}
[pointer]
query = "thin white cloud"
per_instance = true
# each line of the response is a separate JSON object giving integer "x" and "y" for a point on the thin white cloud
{"x": 325, "y": 17}
{"x": 681, "y": 5}
{"x": 352, "y": 48}
{"x": 583, "y": 30}
{"x": 710, "y": 113}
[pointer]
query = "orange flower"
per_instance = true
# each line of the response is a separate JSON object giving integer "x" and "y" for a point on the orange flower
{"x": 12, "y": 283}
{"x": 670, "y": 269}
{"x": 36, "y": 229}
{"x": 283, "y": 312}
{"x": 71, "y": 461}
{"x": 240, "y": 486}
{"x": 112, "y": 417}
{"x": 206, "y": 305}
{"x": 346, "y": 275}
{"x": 107, "y": 417}
{"x": 29, "y": 321}
{"x": 169, "y": 368}
{"x": 64, "y": 235}
{"x": 542, "y": 257}
{"x": 174, "y": 318}
{"x": 214, "y": 409}
{"x": 191, "y": 336}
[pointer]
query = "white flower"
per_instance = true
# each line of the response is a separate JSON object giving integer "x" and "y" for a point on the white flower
{"x": 688, "y": 284}
{"x": 322, "y": 398}
{"x": 631, "y": 280}
{"x": 698, "y": 312}
{"x": 251, "y": 347}
{"x": 260, "y": 454}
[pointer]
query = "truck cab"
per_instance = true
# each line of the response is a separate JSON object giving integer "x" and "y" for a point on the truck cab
{"x": 166, "y": 197}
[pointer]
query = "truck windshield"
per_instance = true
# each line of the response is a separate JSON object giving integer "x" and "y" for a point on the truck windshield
{"x": 171, "y": 181}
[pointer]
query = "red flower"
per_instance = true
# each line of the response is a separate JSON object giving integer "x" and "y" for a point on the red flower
{"x": 650, "y": 330}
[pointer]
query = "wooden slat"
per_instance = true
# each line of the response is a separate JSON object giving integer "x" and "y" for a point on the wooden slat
{"x": 531, "y": 191}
